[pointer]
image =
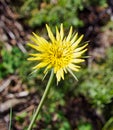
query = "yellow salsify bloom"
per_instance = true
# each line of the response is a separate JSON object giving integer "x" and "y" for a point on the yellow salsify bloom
{"x": 61, "y": 53}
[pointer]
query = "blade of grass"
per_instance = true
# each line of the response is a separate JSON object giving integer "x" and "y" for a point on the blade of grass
{"x": 10, "y": 121}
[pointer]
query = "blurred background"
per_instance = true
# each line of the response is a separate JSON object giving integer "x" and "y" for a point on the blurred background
{"x": 83, "y": 105}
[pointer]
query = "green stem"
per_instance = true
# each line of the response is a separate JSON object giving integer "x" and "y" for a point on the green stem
{"x": 42, "y": 101}
{"x": 10, "y": 123}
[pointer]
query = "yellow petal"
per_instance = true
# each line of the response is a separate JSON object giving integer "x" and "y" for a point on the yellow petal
{"x": 78, "y": 54}
{"x": 58, "y": 77}
{"x": 72, "y": 74}
{"x": 61, "y": 31}
{"x": 34, "y": 46}
{"x": 40, "y": 40}
{"x": 70, "y": 34}
{"x": 65, "y": 70}
{"x": 47, "y": 68}
{"x": 50, "y": 34}
{"x": 80, "y": 48}
{"x": 40, "y": 65}
{"x": 60, "y": 74}
{"x": 57, "y": 34}
{"x": 34, "y": 54}
{"x": 75, "y": 44}
{"x": 78, "y": 60}
{"x": 34, "y": 40}
{"x": 74, "y": 38}
{"x": 34, "y": 58}
{"x": 74, "y": 67}
{"x": 38, "y": 56}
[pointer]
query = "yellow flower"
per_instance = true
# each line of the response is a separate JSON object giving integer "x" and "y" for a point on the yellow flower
{"x": 61, "y": 53}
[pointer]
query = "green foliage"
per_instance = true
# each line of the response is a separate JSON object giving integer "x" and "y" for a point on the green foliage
{"x": 96, "y": 2}
{"x": 108, "y": 125}
{"x": 85, "y": 126}
{"x": 61, "y": 12}
{"x": 20, "y": 117}
{"x": 96, "y": 84}
{"x": 10, "y": 61}
{"x": 28, "y": 6}
{"x": 109, "y": 26}
{"x": 38, "y": 13}
{"x": 57, "y": 120}
{"x": 64, "y": 125}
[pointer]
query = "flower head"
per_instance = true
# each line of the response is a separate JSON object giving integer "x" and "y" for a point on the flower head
{"x": 61, "y": 53}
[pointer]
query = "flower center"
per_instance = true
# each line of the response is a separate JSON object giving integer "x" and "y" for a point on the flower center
{"x": 58, "y": 54}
